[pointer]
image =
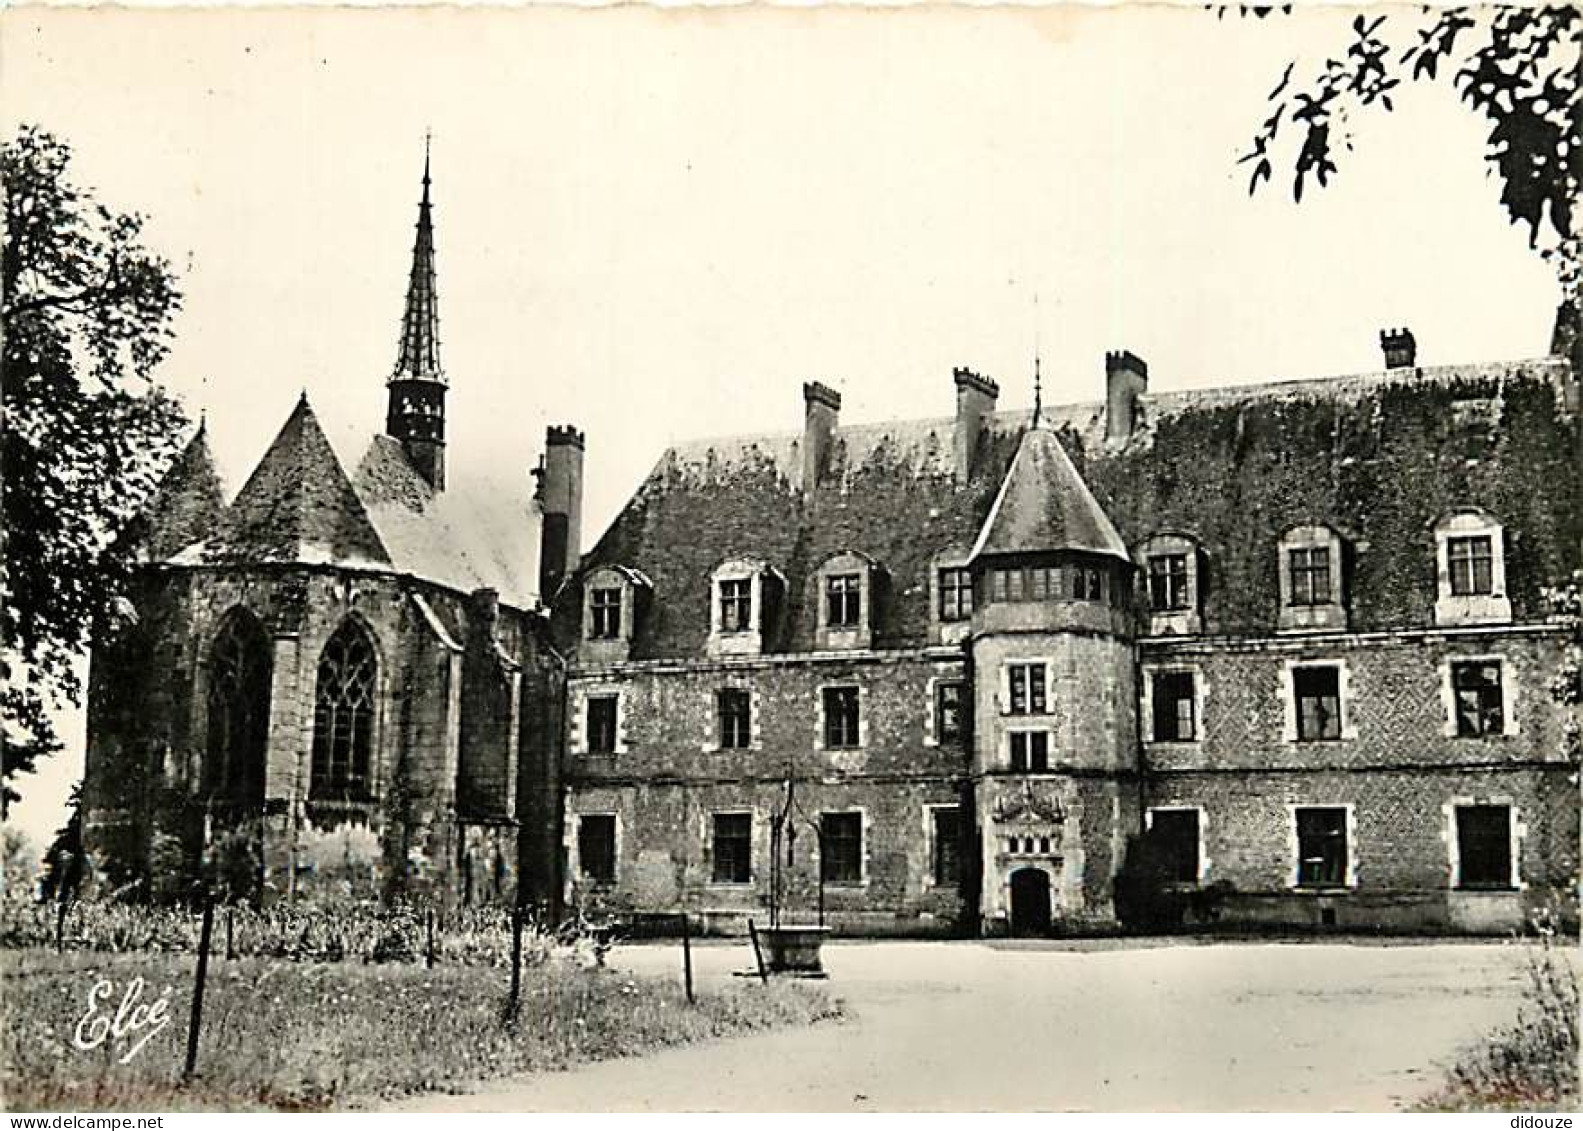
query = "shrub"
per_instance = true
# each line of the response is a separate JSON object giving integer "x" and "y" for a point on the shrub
{"x": 1532, "y": 1064}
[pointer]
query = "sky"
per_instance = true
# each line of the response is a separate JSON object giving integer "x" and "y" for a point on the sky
{"x": 657, "y": 224}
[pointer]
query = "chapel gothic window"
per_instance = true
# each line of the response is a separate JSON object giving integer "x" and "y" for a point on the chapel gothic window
{"x": 238, "y": 701}
{"x": 343, "y": 718}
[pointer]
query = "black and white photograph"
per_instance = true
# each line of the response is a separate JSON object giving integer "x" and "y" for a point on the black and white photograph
{"x": 639, "y": 558}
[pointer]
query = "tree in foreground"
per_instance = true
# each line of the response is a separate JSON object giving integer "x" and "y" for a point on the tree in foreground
{"x": 1520, "y": 68}
{"x": 85, "y": 313}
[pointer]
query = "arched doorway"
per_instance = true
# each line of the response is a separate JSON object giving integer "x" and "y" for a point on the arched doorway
{"x": 1030, "y": 902}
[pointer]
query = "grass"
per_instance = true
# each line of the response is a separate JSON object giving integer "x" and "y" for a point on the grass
{"x": 1531, "y": 1065}
{"x": 283, "y": 1035}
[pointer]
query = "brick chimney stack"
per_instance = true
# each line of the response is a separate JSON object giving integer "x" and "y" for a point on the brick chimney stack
{"x": 1401, "y": 351}
{"x": 975, "y": 404}
{"x": 822, "y": 410}
{"x": 1126, "y": 379}
{"x": 560, "y": 496}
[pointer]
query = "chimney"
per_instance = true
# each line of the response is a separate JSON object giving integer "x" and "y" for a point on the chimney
{"x": 560, "y": 496}
{"x": 975, "y": 403}
{"x": 1401, "y": 352}
{"x": 822, "y": 406}
{"x": 1126, "y": 379}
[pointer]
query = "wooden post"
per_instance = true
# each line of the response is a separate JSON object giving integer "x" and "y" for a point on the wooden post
{"x": 428, "y": 953}
{"x": 60, "y": 926}
{"x": 758, "y": 955}
{"x": 197, "y": 989}
{"x": 516, "y": 958}
{"x": 230, "y": 938}
{"x": 687, "y": 957}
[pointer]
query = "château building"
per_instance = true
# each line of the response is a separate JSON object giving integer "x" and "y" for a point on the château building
{"x": 1292, "y": 637}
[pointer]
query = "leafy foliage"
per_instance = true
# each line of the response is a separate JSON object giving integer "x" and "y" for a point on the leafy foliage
{"x": 1518, "y": 67}
{"x": 86, "y": 316}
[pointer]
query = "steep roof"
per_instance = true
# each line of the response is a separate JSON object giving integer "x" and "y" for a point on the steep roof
{"x": 187, "y": 502}
{"x": 300, "y": 505}
{"x": 1044, "y": 505}
{"x": 1380, "y": 456}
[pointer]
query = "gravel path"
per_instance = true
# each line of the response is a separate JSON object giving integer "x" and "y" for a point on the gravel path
{"x": 1132, "y": 1027}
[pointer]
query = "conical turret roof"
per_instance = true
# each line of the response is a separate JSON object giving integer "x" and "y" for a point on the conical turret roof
{"x": 1044, "y": 505}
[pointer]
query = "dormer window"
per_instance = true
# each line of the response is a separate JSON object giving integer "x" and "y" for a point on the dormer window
{"x": 1471, "y": 564}
{"x": 1470, "y": 570}
{"x": 1168, "y": 592}
{"x": 736, "y": 605}
{"x": 844, "y": 586}
{"x": 1169, "y": 565}
{"x": 743, "y": 594}
{"x": 613, "y": 598}
{"x": 606, "y": 614}
{"x": 1310, "y": 572}
{"x": 956, "y": 594}
{"x": 844, "y": 597}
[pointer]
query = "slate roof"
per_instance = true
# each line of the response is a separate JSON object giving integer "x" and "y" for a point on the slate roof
{"x": 187, "y": 502}
{"x": 1380, "y": 456}
{"x": 300, "y": 506}
{"x": 1044, "y": 505}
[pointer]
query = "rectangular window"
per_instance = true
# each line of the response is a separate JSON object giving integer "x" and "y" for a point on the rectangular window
{"x": 733, "y": 848}
{"x": 1174, "y": 707}
{"x": 1168, "y": 583}
{"x": 1318, "y": 694}
{"x": 1176, "y": 833}
{"x": 1309, "y": 571}
{"x": 1476, "y": 688}
{"x": 1016, "y": 582}
{"x": 602, "y": 724}
{"x": 596, "y": 847}
{"x": 1026, "y": 682}
{"x": 843, "y": 600}
{"x": 1484, "y": 846}
{"x": 956, "y": 594}
{"x": 948, "y": 712}
{"x": 841, "y": 847}
{"x": 736, "y": 605}
{"x": 1321, "y": 847}
{"x": 841, "y": 717}
{"x": 735, "y": 705}
{"x": 998, "y": 584}
{"x": 607, "y": 614}
{"x": 1471, "y": 565}
{"x": 1030, "y": 751}
{"x": 947, "y": 829}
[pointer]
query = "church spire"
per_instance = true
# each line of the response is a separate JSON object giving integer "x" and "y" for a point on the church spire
{"x": 416, "y": 413}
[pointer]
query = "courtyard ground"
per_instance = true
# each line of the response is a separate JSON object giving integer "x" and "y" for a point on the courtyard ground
{"x": 1106, "y": 1026}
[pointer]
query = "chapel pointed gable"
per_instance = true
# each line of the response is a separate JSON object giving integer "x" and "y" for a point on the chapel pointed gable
{"x": 184, "y": 507}
{"x": 298, "y": 505}
{"x": 1044, "y": 505}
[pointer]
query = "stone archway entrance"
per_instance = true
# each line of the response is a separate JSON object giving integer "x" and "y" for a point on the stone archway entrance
{"x": 1030, "y": 902}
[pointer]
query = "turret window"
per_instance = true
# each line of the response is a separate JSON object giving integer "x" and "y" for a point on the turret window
{"x": 1030, "y": 751}
{"x": 1026, "y": 685}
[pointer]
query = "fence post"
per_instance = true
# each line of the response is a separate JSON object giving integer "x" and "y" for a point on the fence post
{"x": 687, "y": 957}
{"x": 60, "y": 926}
{"x": 516, "y": 957}
{"x": 230, "y": 940}
{"x": 758, "y": 955}
{"x": 428, "y": 954}
{"x": 197, "y": 990}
